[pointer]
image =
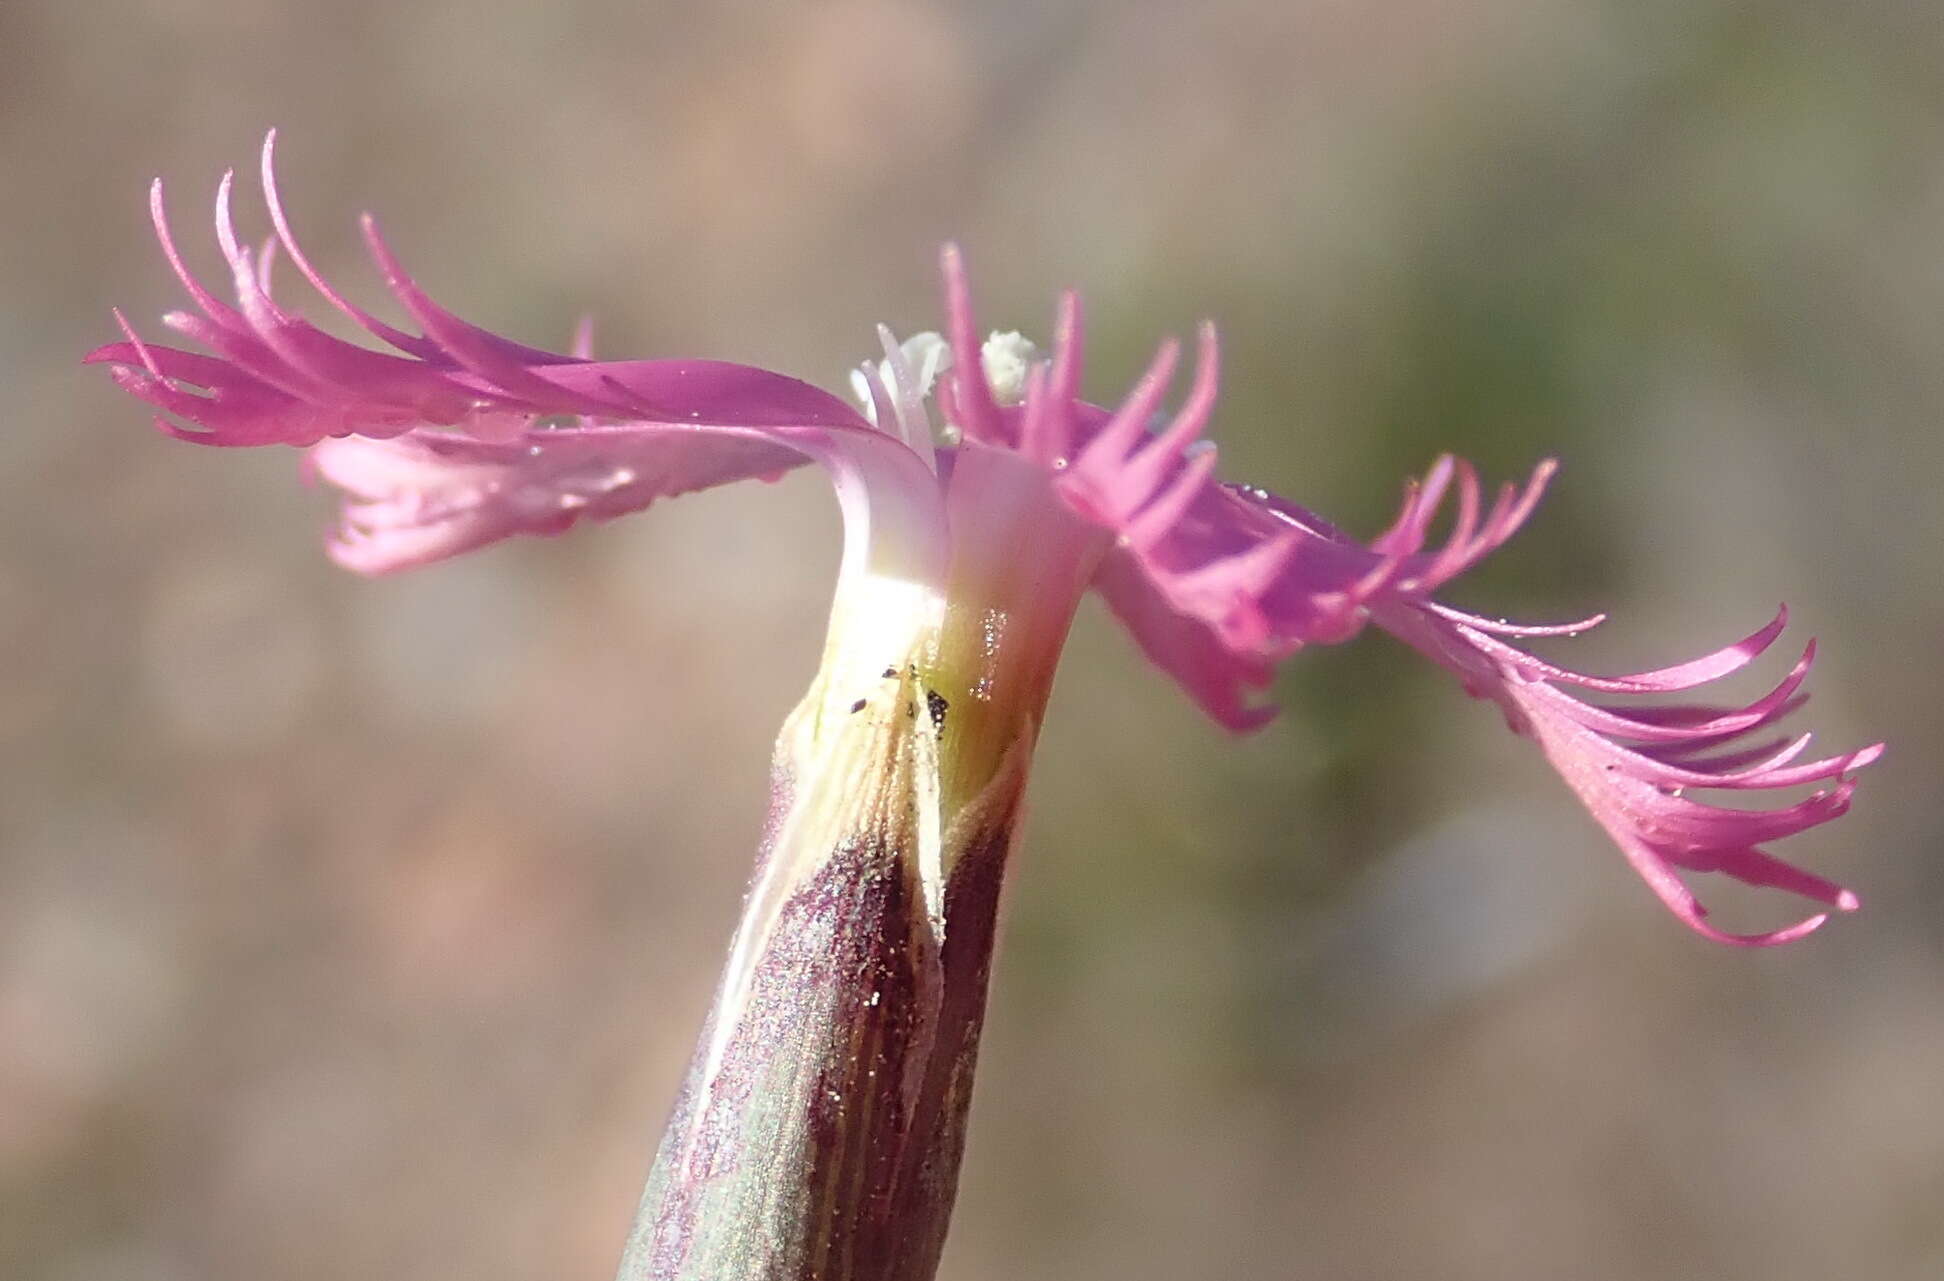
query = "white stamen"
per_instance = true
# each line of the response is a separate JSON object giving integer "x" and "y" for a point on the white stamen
{"x": 907, "y": 398}
{"x": 911, "y": 369}
{"x": 860, "y": 380}
{"x": 1006, "y": 358}
{"x": 929, "y": 356}
{"x": 906, "y": 377}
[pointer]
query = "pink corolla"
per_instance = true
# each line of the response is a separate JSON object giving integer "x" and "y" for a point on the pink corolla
{"x": 982, "y": 496}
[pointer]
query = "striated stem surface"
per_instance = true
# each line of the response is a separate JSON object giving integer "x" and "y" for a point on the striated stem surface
{"x": 819, "y": 1129}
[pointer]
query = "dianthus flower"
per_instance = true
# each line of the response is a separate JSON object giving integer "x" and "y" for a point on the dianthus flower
{"x": 819, "y": 1128}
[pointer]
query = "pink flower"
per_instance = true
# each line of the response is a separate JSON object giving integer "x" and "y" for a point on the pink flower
{"x": 980, "y": 491}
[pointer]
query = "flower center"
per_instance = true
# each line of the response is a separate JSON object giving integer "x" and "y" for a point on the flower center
{"x": 903, "y": 381}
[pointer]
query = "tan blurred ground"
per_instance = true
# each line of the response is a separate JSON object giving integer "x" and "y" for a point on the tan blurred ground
{"x": 357, "y": 930}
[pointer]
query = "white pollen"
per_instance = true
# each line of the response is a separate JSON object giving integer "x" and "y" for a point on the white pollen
{"x": 928, "y": 355}
{"x": 1006, "y": 357}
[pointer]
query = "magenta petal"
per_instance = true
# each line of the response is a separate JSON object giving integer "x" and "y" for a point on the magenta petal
{"x": 970, "y": 398}
{"x": 1645, "y": 797}
{"x": 1699, "y": 671}
{"x": 1680, "y": 900}
{"x": 1220, "y": 679}
{"x": 701, "y": 391}
{"x": 429, "y": 495}
{"x": 275, "y": 377}
{"x": 1500, "y": 627}
{"x": 422, "y": 348}
{"x": 644, "y": 429}
{"x": 498, "y": 361}
{"x": 1262, "y": 575}
{"x": 1752, "y": 866}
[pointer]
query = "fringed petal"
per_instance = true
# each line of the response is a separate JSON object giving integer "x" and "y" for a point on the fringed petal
{"x": 278, "y": 378}
{"x": 459, "y": 441}
{"x": 427, "y": 495}
{"x": 1225, "y": 682}
{"x": 965, "y": 395}
{"x": 1264, "y": 577}
{"x": 1628, "y": 766}
{"x": 1216, "y": 583}
{"x": 465, "y": 437}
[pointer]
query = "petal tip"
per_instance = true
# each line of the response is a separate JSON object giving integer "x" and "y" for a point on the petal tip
{"x": 1864, "y": 756}
{"x": 1244, "y": 719}
{"x": 1773, "y": 938}
{"x": 1789, "y": 934}
{"x": 951, "y": 261}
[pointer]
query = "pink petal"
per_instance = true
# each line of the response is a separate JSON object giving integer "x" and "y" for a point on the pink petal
{"x": 428, "y": 495}
{"x": 970, "y": 400}
{"x": 1644, "y": 800}
{"x": 1219, "y": 679}
{"x": 646, "y": 429}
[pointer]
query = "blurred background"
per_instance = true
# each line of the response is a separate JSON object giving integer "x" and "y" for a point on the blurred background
{"x": 360, "y": 929}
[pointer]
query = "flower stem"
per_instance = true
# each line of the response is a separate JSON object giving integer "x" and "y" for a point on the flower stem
{"x": 819, "y": 1129}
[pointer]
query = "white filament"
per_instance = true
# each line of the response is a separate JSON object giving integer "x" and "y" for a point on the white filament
{"x": 911, "y": 369}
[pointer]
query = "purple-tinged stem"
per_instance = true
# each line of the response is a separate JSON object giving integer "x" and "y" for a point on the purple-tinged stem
{"x": 819, "y": 1129}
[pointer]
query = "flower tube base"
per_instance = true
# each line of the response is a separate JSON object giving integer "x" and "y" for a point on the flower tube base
{"x": 819, "y": 1129}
